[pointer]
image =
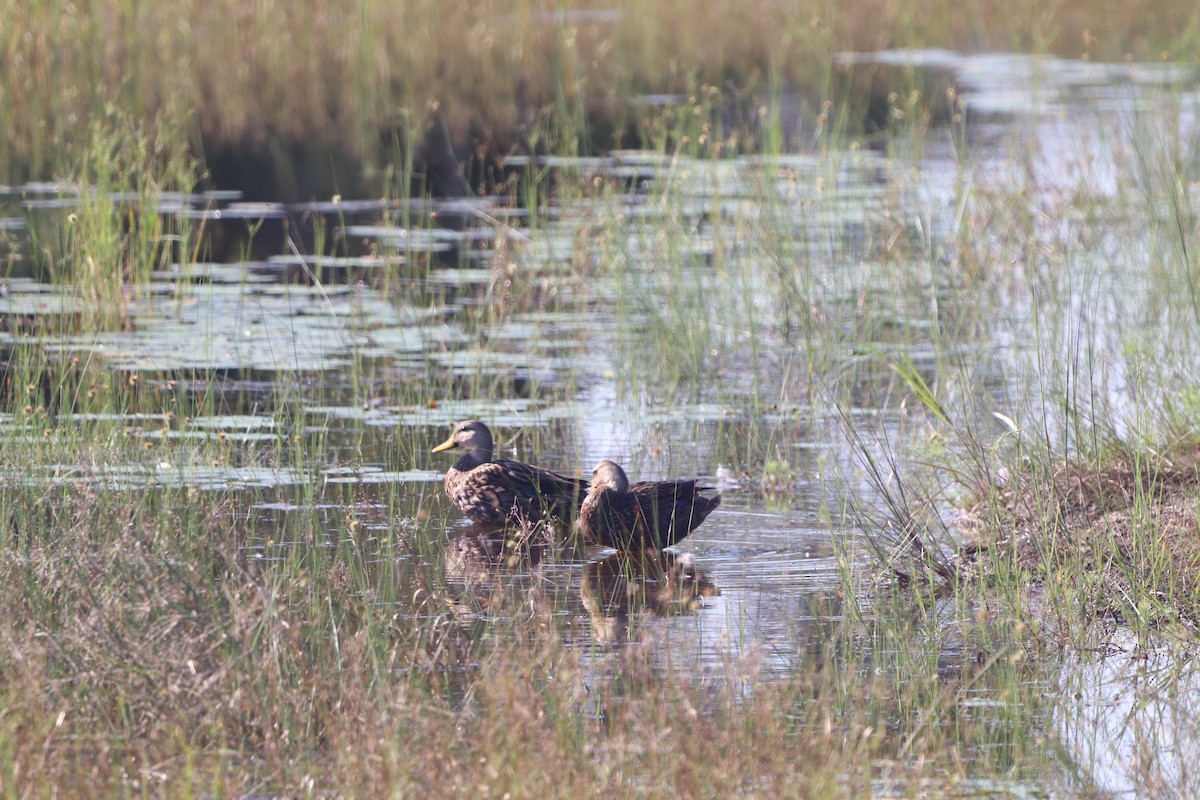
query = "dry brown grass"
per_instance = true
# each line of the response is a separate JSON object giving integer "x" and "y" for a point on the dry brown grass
{"x": 143, "y": 652}
{"x": 1126, "y": 532}
{"x": 551, "y": 732}
{"x": 315, "y": 82}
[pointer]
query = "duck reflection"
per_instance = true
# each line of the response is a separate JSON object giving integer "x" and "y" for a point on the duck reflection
{"x": 485, "y": 564}
{"x": 483, "y": 548}
{"x": 663, "y": 583}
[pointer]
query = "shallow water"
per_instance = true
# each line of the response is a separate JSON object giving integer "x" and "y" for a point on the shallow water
{"x": 774, "y": 284}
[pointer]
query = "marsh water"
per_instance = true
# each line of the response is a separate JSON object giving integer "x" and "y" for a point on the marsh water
{"x": 683, "y": 317}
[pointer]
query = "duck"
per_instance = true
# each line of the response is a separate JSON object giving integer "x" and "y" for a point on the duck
{"x": 646, "y": 515}
{"x": 500, "y": 491}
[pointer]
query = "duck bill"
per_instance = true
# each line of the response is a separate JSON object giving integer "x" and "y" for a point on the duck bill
{"x": 446, "y": 445}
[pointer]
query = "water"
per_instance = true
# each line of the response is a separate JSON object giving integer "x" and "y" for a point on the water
{"x": 772, "y": 284}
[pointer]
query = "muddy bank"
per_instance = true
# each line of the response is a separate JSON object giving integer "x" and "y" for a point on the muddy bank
{"x": 1123, "y": 533}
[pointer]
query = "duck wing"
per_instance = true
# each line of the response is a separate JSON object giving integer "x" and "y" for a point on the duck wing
{"x": 499, "y": 491}
{"x": 528, "y": 481}
{"x": 670, "y": 510}
{"x": 612, "y": 519}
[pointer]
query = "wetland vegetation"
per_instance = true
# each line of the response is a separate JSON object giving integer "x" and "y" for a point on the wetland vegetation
{"x": 942, "y": 371}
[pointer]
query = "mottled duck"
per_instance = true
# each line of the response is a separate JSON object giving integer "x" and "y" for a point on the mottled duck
{"x": 498, "y": 491}
{"x": 648, "y": 514}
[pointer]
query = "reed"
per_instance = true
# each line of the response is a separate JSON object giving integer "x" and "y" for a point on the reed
{"x": 332, "y": 87}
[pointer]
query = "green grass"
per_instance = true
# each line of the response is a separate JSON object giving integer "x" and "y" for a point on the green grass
{"x": 1079, "y": 475}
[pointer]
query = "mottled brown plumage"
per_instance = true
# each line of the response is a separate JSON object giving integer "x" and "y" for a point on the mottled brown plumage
{"x": 500, "y": 491}
{"x": 648, "y": 514}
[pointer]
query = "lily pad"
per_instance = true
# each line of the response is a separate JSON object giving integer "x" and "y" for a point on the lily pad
{"x": 376, "y": 475}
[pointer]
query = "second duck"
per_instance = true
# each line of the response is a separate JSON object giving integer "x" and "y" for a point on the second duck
{"x": 646, "y": 515}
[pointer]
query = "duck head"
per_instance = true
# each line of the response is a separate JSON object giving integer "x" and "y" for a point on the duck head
{"x": 470, "y": 435}
{"x": 608, "y": 474}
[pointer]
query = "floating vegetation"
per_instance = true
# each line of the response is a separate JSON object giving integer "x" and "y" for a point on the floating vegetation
{"x": 366, "y": 474}
{"x": 164, "y": 475}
